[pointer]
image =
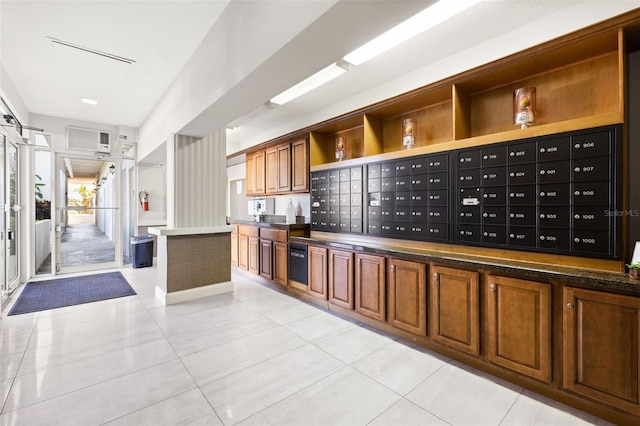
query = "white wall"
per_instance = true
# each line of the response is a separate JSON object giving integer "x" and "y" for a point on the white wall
{"x": 152, "y": 178}
{"x": 231, "y": 50}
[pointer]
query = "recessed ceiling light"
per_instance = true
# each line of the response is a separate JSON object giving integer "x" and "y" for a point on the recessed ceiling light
{"x": 89, "y": 101}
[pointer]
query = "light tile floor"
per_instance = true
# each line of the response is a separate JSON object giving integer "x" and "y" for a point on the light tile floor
{"x": 251, "y": 357}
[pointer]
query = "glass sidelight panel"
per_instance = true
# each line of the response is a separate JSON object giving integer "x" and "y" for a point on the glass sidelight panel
{"x": 12, "y": 240}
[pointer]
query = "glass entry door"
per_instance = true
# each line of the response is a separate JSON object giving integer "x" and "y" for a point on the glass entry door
{"x": 88, "y": 235}
{"x": 9, "y": 217}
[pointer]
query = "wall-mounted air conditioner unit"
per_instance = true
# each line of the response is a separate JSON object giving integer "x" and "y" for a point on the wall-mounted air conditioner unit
{"x": 88, "y": 140}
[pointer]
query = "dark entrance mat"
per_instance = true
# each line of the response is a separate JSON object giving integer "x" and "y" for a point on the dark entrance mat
{"x": 51, "y": 294}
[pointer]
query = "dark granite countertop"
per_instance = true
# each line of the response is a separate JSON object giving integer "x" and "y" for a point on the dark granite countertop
{"x": 617, "y": 282}
{"x": 267, "y": 224}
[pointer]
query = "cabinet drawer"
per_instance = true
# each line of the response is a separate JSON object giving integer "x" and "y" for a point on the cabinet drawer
{"x": 278, "y": 235}
{"x": 249, "y": 230}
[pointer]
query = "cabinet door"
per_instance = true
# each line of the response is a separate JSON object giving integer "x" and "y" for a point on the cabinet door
{"x": 600, "y": 346}
{"x": 234, "y": 250}
{"x": 454, "y": 318}
{"x": 519, "y": 326}
{"x": 283, "y": 169}
{"x": 243, "y": 252}
{"x": 250, "y": 180}
{"x": 408, "y": 296}
{"x": 258, "y": 170}
{"x": 281, "y": 263}
{"x": 369, "y": 286}
{"x": 317, "y": 278}
{"x": 266, "y": 259}
{"x": 254, "y": 255}
{"x": 271, "y": 170}
{"x": 299, "y": 166}
{"x": 341, "y": 278}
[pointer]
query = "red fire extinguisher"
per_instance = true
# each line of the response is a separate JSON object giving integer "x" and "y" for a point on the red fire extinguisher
{"x": 144, "y": 200}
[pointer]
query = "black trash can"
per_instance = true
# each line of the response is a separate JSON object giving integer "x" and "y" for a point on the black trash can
{"x": 142, "y": 251}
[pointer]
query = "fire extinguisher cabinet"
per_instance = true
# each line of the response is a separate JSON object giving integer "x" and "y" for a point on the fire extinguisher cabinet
{"x": 142, "y": 251}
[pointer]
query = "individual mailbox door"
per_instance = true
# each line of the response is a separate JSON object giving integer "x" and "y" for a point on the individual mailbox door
{"x": 403, "y": 199}
{"x": 469, "y": 177}
{"x": 345, "y": 187}
{"x": 437, "y": 197}
{"x": 419, "y": 165}
{"x": 373, "y": 228}
{"x": 594, "y": 144}
{"x": 403, "y": 168}
{"x": 522, "y": 216}
{"x": 591, "y": 169}
{"x": 387, "y": 199}
{"x": 356, "y": 213}
{"x": 469, "y": 233}
{"x": 470, "y": 159}
{"x": 554, "y": 149}
{"x": 387, "y": 212}
{"x": 554, "y": 194}
{"x": 522, "y": 152}
{"x": 402, "y": 214}
{"x": 591, "y": 241}
{"x": 494, "y": 215}
{"x": 373, "y": 185}
{"x": 494, "y": 195}
{"x": 402, "y": 229}
{"x": 388, "y": 169}
{"x": 469, "y": 214}
{"x": 554, "y": 172}
{"x": 438, "y": 180}
{"x": 388, "y": 184}
{"x": 419, "y": 199}
{"x": 521, "y": 236}
{"x": 494, "y": 156}
{"x": 374, "y": 171}
{"x": 403, "y": 183}
{"x": 356, "y": 173}
{"x": 494, "y": 235}
{"x": 438, "y": 231}
{"x": 521, "y": 174}
{"x": 591, "y": 217}
{"x": 554, "y": 216}
{"x": 437, "y": 214}
{"x": 419, "y": 231}
{"x": 356, "y": 226}
{"x": 523, "y": 194}
{"x": 356, "y": 186}
{"x": 419, "y": 214}
{"x": 345, "y": 175}
{"x": 437, "y": 163}
{"x": 334, "y": 175}
{"x": 554, "y": 238}
{"x": 419, "y": 182}
{"x": 492, "y": 176}
{"x": 591, "y": 194}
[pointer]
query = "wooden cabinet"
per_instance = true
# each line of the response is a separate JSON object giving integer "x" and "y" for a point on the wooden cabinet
{"x": 254, "y": 255}
{"x": 281, "y": 263}
{"x": 266, "y": 259}
{"x": 255, "y": 173}
{"x": 341, "y": 278}
{"x": 234, "y": 249}
{"x": 407, "y": 296}
{"x": 299, "y": 166}
{"x": 317, "y": 272}
{"x": 454, "y": 312}
{"x": 600, "y": 347}
{"x": 370, "y": 294}
{"x": 278, "y": 169}
{"x": 519, "y": 325}
{"x": 243, "y": 252}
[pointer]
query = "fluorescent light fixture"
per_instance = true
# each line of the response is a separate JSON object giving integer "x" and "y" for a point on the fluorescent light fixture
{"x": 307, "y": 85}
{"x": 89, "y": 101}
{"x": 419, "y": 23}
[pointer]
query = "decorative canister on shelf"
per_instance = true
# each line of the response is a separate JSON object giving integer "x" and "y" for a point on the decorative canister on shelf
{"x": 341, "y": 147}
{"x": 408, "y": 132}
{"x": 524, "y": 106}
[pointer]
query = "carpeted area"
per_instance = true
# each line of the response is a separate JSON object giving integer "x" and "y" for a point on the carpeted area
{"x": 51, "y": 294}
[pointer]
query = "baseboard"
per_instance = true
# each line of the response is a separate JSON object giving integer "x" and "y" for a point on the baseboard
{"x": 193, "y": 293}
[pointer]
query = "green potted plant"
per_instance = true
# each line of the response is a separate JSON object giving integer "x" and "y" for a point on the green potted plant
{"x": 634, "y": 271}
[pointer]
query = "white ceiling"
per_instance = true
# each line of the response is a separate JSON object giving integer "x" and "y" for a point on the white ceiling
{"x": 161, "y": 36}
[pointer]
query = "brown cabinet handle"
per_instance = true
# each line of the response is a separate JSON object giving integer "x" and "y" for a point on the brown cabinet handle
{"x": 570, "y": 305}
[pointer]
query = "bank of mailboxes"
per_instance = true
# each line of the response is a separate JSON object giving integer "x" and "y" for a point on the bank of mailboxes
{"x": 555, "y": 193}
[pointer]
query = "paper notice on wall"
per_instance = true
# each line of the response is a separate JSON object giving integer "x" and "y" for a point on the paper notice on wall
{"x": 238, "y": 187}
